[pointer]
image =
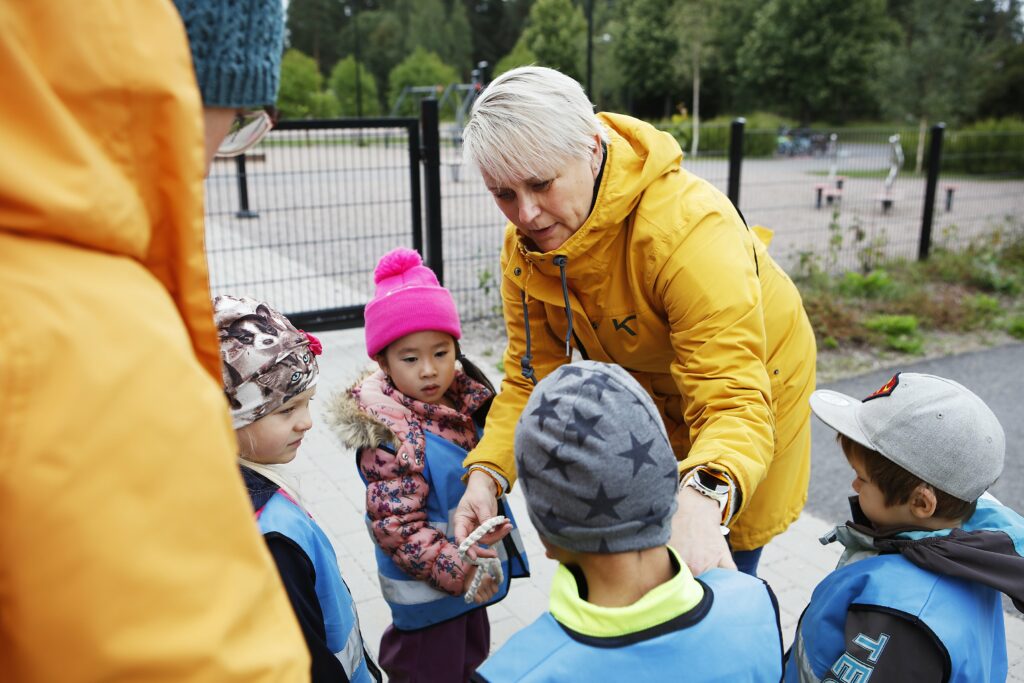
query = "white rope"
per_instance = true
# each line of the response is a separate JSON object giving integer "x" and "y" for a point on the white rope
{"x": 486, "y": 566}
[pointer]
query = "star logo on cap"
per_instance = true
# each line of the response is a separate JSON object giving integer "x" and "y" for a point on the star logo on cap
{"x": 551, "y": 522}
{"x": 546, "y": 409}
{"x": 639, "y": 453}
{"x": 600, "y": 382}
{"x": 571, "y": 370}
{"x": 555, "y": 462}
{"x": 652, "y": 518}
{"x": 584, "y": 427}
{"x": 603, "y": 504}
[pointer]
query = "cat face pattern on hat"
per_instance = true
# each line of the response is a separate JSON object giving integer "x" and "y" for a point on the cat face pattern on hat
{"x": 595, "y": 462}
{"x": 265, "y": 360}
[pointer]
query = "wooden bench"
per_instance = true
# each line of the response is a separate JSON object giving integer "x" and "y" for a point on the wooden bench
{"x": 827, "y": 192}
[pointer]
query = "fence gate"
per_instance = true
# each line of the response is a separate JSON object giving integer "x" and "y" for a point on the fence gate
{"x": 301, "y": 220}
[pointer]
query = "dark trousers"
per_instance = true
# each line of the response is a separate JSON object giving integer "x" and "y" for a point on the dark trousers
{"x": 445, "y": 653}
{"x": 747, "y": 560}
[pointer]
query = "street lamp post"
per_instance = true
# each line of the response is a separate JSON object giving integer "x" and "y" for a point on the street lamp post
{"x": 590, "y": 48}
{"x": 354, "y": 14}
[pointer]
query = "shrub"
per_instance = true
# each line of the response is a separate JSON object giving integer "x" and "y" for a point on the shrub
{"x": 994, "y": 146}
{"x": 900, "y": 332}
{"x": 1016, "y": 327}
{"x": 760, "y": 134}
{"x": 300, "y": 81}
{"x": 875, "y": 284}
{"x": 343, "y": 85}
{"x": 421, "y": 68}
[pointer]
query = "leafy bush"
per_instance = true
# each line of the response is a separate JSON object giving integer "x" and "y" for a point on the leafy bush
{"x": 519, "y": 56}
{"x": 760, "y": 134}
{"x": 995, "y": 146}
{"x": 875, "y": 284}
{"x": 899, "y": 332}
{"x": 1016, "y": 327}
{"x": 421, "y": 68}
{"x": 300, "y": 82}
{"x": 982, "y": 309}
{"x": 343, "y": 85}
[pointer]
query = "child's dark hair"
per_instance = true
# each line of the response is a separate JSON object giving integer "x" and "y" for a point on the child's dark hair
{"x": 897, "y": 484}
{"x": 475, "y": 373}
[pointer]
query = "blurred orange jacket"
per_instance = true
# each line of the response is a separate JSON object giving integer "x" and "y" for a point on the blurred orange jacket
{"x": 128, "y": 549}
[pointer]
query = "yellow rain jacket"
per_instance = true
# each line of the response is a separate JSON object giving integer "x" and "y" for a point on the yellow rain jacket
{"x": 128, "y": 549}
{"x": 665, "y": 280}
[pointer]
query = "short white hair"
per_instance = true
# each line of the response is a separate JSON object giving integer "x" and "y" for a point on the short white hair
{"x": 529, "y": 122}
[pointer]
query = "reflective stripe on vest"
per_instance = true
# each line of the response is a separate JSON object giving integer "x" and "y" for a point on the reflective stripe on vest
{"x": 741, "y": 620}
{"x": 283, "y": 515}
{"x": 415, "y": 604}
{"x": 894, "y": 583}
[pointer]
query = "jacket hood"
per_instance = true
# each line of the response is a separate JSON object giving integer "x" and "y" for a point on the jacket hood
{"x": 103, "y": 143}
{"x": 988, "y": 548}
{"x": 354, "y": 427}
{"x": 638, "y": 154}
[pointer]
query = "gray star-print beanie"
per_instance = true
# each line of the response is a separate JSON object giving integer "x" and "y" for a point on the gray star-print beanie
{"x": 595, "y": 462}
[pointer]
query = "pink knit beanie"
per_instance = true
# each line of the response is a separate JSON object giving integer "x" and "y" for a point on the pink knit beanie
{"x": 408, "y": 299}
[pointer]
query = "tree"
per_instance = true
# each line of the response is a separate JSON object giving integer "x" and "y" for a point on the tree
{"x": 815, "y": 58}
{"x": 495, "y": 26}
{"x": 691, "y": 20}
{"x": 300, "y": 81}
{"x": 732, "y": 23}
{"x": 421, "y": 68}
{"x": 324, "y": 105}
{"x": 343, "y": 86}
{"x": 519, "y": 56}
{"x": 382, "y": 44}
{"x": 647, "y": 50}
{"x": 932, "y": 71}
{"x": 556, "y": 33}
{"x": 313, "y": 27}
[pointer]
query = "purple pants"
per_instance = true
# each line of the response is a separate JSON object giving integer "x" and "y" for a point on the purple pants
{"x": 445, "y": 653}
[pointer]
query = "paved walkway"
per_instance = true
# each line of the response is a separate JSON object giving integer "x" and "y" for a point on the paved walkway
{"x": 326, "y": 479}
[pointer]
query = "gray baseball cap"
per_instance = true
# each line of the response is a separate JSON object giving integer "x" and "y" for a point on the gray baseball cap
{"x": 934, "y": 428}
{"x": 595, "y": 462}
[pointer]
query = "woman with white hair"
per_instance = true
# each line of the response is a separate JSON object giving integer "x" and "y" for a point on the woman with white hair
{"x": 615, "y": 253}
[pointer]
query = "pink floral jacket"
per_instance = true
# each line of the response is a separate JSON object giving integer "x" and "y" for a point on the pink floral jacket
{"x": 373, "y": 412}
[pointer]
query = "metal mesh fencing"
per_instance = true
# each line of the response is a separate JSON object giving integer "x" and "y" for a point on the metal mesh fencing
{"x": 317, "y": 208}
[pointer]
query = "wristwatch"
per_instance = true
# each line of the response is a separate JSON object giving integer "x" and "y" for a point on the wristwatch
{"x": 716, "y": 485}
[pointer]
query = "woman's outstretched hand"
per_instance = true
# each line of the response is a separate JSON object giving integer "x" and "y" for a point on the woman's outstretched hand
{"x": 697, "y": 533}
{"x": 479, "y": 503}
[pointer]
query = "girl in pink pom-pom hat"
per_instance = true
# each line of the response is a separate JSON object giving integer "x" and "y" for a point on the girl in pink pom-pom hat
{"x": 412, "y": 422}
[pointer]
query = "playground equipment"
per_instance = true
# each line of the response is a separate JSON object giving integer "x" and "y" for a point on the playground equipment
{"x": 896, "y": 159}
{"x": 831, "y": 190}
{"x": 460, "y": 95}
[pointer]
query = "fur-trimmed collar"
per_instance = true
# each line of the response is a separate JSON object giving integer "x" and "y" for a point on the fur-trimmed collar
{"x": 351, "y": 424}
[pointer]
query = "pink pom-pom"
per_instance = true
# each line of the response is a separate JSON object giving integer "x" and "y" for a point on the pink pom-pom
{"x": 396, "y": 262}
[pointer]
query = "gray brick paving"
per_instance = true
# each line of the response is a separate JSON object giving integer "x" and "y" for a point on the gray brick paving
{"x": 326, "y": 479}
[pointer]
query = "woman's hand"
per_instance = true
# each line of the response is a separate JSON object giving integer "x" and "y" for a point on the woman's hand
{"x": 697, "y": 534}
{"x": 479, "y": 503}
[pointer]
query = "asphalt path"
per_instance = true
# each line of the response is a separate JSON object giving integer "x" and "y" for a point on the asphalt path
{"x": 996, "y": 375}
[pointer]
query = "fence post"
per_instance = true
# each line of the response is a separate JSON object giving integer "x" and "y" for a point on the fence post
{"x": 735, "y": 159}
{"x": 431, "y": 156}
{"x": 934, "y": 162}
{"x": 243, "y": 190}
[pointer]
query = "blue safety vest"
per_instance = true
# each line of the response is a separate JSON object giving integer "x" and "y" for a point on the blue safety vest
{"x": 966, "y": 617}
{"x": 414, "y": 603}
{"x": 282, "y": 515}
{"x": 731, "y": 635}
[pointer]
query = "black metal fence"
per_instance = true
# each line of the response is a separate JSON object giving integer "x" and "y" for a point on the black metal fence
{"x": 303, "y": 222}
